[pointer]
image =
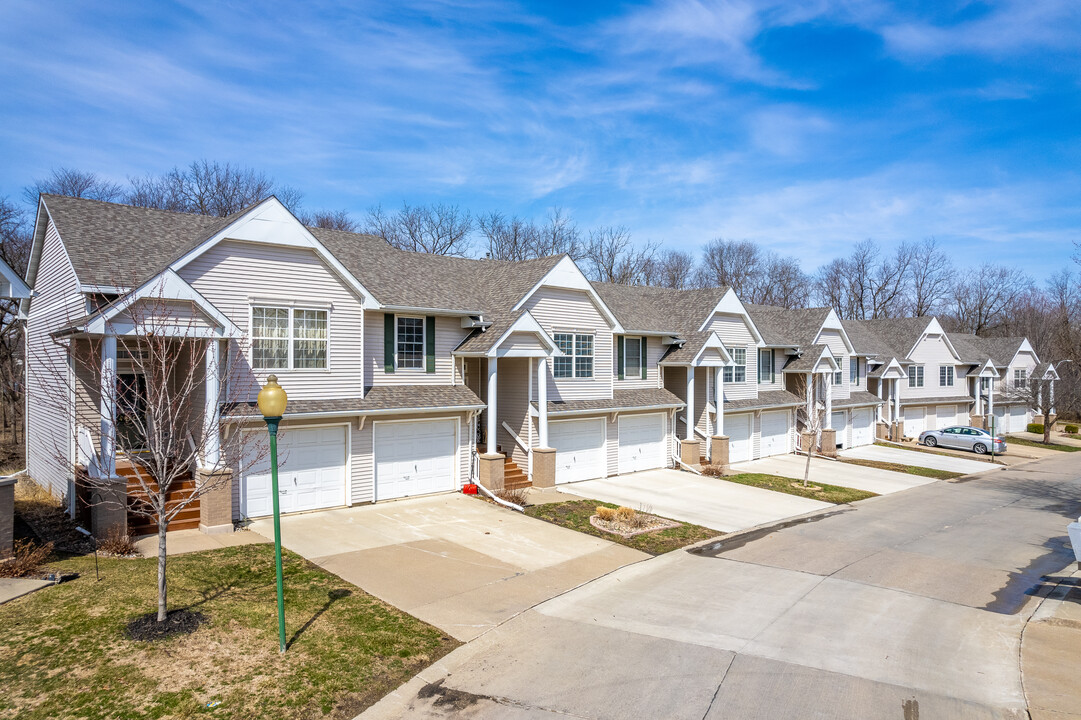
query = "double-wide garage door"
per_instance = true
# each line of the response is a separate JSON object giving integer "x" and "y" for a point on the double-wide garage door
{"x": 311, "y": 472}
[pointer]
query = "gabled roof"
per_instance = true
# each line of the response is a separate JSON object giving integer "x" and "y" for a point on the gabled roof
{"x": 977, "y": 350}
{"x": 781, "y": 327}
{"x": 644, "y": 308}
{"x": 18, "y": 289}
{"x": 811, "y": 360}
{"x": 695, "y": 344}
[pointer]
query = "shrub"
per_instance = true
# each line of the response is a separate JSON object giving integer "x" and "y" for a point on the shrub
{"x": 1071, "y": 429}
{"x": 1035, "y": 428}
{"x": 27, "y": 560}
{"x": 513, "y": 495}
{"x": 116, "y": 542}
{"x": 606, "y": 513}
{"x": 712, "y": 470}
{"x": 625, "y": 515}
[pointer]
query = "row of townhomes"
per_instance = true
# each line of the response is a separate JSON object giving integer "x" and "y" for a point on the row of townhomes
{"x": 410, "y": 374}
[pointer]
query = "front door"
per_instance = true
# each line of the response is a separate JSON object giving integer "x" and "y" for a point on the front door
{"x": 131, "y": 412}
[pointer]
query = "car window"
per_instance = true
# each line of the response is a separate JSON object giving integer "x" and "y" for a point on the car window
{"x": 952, "y": 431}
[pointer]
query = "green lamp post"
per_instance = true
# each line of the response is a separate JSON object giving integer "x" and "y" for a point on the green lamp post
{"x": 272, "y": 401}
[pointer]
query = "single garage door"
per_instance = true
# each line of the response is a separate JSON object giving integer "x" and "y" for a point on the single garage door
{"x": 862, "y": 427}
{"x": 579, "y": 448}
{"x": 914, "y": 421}
{"x": 641, "y": 442}
{"x": 946, "y": 415}
{"x": 1018, "y": 418}
{"x": 1002, "y": 421}
{"x": 774, "y": 433}
{"x": 311, "y": 473}
{"x": 738, "y": 428}
{"x": 414, "y": 457}
{"x": 840, "y": 425}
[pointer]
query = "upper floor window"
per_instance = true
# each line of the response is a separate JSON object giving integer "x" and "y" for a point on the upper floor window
{"x": 915, "y": 376}
{"x": 765, "y": 366}
{"x": 410, "y": 343}
{"x": 285, "y": 338}
{"x": 854, "y": 371}
{"x": 577, "y": 359}
{"x": 945, "y": 376}
{"x": 1020, "y": 377}
{"x": 838, "y": 377}
{"x": 737, "y": 371}
{"x": 632, "y": 357}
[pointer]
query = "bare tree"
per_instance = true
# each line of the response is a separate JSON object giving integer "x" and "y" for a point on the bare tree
{"x": 209, "y": 188}
{"x": 508, "y": 239}
{"x": 933, "y": 276}
{"x": 330, "y": 220}
{"x": 75, "y": 183}
{"x": 1035, "y": 393}
{"x": 867, "y": 285}
{"x": 156, "y": 424}
{"x": 15, "y": 242}
{"x": 612, "y": 257}
{"x": 438, "y": 229}
{"x": 785, "y": 284}
{"x": 733, "y": 263}
{"x": 673, "y": 269}
{"x": 810, "y": 417}
{"x": 981, "y": 297}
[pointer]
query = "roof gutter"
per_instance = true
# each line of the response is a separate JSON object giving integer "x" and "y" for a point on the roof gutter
{"x": 429, "y": 310}
{"x": 359, "y": 413}
{"x": 602, "y": 411}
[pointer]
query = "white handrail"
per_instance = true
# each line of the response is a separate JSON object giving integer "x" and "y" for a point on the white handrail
{"x": 514, "y": 435}
{"x": 704, "y": 435}
{"x": 501, "y": 501}
{"x": 690, "y": 468}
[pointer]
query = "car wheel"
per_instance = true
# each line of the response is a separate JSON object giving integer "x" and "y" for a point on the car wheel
{"x": 979, "y": 449}
{"x": 930, "y": 442}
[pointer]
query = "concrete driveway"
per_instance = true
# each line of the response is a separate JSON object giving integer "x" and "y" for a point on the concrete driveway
{"x": 709, "y": 502}
{"x": 833, "y": 472}
{"x": 908, "y": 606}
{"x": 920, "y": 459}
{"x": 456, "y": 562}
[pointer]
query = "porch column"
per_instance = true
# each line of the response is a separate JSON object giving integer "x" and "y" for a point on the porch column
{"x": 542, "y": 402}
{"x": 1050, "y": 397}
{"x": 896, "y": 400}
{"x": 211, "y": 429}
{"x": 107, "y": 461}
{"x": 979, "y": 396}
{"x": 718, "y": 386}
{"x": 829, "y": 401}
{"x": 991, "y": 403}
{"x": 492, "y": 389}
{"x": 880, "y": 381}
{"x": 690, "y": 402}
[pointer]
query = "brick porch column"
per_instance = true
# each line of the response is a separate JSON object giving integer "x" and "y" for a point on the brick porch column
{"x": 829, "y": 442}
{"x": 544, "y": 467}
{"x": 719, "y": 451}
{"x": 109, "y": 506}
{"x": 215, "y": 501}
{"x": 7, "y": 516}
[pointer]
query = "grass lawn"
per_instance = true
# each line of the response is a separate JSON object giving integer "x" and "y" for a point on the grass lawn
{"x": 65, "y": 652}
{"x": 575, "y": 515}
{"x": 900, "y": 467}
{"x": 828, "y": 493}
{"x": 1025, "y": 442}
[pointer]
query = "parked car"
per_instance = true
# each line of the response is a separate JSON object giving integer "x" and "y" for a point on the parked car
{"x": 962, "y": 437}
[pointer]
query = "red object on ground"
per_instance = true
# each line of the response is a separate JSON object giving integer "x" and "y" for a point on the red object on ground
{"x": 469, "y": 489}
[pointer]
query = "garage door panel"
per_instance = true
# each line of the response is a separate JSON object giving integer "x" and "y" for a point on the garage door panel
{"x": 641, "y": 442}
{"x": 774, "y": 439}
{"x": 580, "y": 451}
{"x": 862, "y": 427}
{"x": 738, "y": 429}
{"x": 914, "y": 421}
{"x": 414, "y": 458}
{"x": 312, "y": 468}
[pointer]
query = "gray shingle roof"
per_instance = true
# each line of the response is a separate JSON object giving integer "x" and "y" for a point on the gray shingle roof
{"x": 396, "y": 397}
{"x": 940, "y": 400}
{"x": 805, "y": 362}
{"x": 886, "y": 360}
{"x": 686, "y": 354}
{"x": 764, "y": 401}
{"x": 858, "y": 398}
{"x": 622, "y": 400}
{"x": 644, "y": 308}
{"x": 787, "y": 328}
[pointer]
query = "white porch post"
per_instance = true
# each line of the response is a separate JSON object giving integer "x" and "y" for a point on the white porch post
{"x": 492, "y": 389}
{"x": 107, "y": 462}
{"x": 718, "y": 386}
{"x": 1050, "y": 397}
{"x": 690, "y": 402}
{"x": 542, "y": 402}
{"x": 829, "y": 401}
{"x": 896, "y": 400}
{"x": 979, "y": 396}
{"x": 880, "y": 381}
{"x": 211, "y": 429}
{"x": 991, "y": 402}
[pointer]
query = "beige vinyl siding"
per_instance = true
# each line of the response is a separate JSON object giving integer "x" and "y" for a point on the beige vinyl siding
{"x": 521, "y": 341}
{"x": 833, "y": 340}
{"x": 512, "y": 407}
{"x": 779, "y": 358}
{"x": 562, "y": 310}
{"x": 675, "y": 382}
{"x": 233, "y": 276}
{"x": 48, "y": 375}
{"x": 702, "y": 386}
{"x": 933, "y": 352}
{"x": 654, "y": 351}
{"x": 449, "y": 333}
{"x": 734, "y": 333}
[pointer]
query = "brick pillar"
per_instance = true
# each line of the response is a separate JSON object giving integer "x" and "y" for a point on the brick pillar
{"x": 7, "y": 516}
{"x": 882, "y": 431}
{"x": 690, "y": 453}
{"x": 544, "y": 467}
{"x": 491, "y": 471}
{"x": 829, "y": 443}
{"x": 975, "y": 420}
{"x": 897, "y": 432}
{"x": 215, "y": 501}
{"x": 807, "y": 441}
{"x": 719, "y": 450}
{"x": 109, "y": 506}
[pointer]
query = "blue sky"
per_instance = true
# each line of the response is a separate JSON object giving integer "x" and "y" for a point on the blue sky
{"x": 805, "y": 126}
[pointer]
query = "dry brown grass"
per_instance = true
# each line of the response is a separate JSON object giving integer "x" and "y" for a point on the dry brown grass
{"x": 513, "y": 495}
{"x": 27, "y": 560}
{"x": 606, "y": 513}
{"x": 117, "y": 542}
{"x": 625, "y": 515}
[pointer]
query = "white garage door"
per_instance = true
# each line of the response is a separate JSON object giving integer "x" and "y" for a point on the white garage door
{"x": 862, "y": 427}
{"x": 579, "y": 448}
{"x": 1018, "y": 418}
{"x": 641, "y": 442}
{"x": 840, "y": 425}
{"x": 1002, "y": 421}
{"x": 311, "y": 473}
{"x": 774, "y": 433}
{"x": 946, "y": 415}
{"x": 738, "y": 428}
{"x": 914, "y": 425}
{"x": 414, "y": 458}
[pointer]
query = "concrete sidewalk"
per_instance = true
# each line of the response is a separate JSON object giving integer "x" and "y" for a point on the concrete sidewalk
{"x": 12, "y": 588}
{"x": 1049, "y": 653}
{"x": 832, "y": 472}
{"x": 710, "y": 502}
{"x": 459, "y": 563}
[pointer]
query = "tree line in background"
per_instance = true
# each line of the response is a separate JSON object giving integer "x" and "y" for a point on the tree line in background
{"x": 874, "y": 280}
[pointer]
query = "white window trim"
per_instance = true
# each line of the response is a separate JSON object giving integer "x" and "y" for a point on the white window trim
{"x": 641, "y": 357}
{"x": 916, "y": 372}
{"x": 951, "y": 375}
{"x": 854, "y": 379}
{"x": 1020, "y": 377}
{"x": 772, "y": 368}
{"x": 574, "y": 355}
{"x": 735, "y": 365}
{"x": 290, "y": 307}
{"x": 423, "y": 344}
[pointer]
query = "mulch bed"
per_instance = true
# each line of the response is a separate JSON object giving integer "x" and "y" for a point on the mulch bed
{"x": 177, "y": 622}
{"x": 646, "y": 523}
